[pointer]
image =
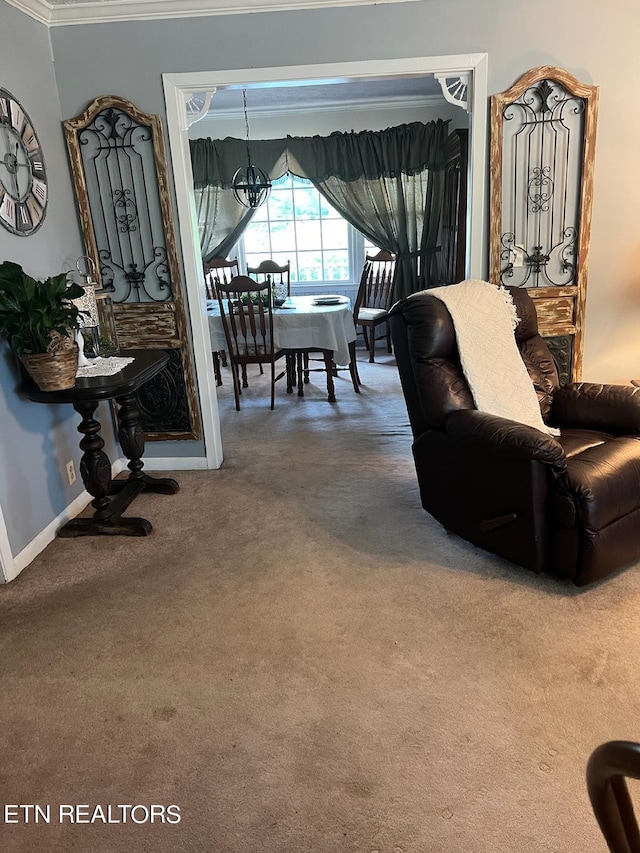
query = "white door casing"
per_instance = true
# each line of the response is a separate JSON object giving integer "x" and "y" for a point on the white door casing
{"x": 178, "y": 89}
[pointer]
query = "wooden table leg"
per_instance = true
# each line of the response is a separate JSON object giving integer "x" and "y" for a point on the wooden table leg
{"x": 300, "y": 372}
{"x": 328, "y": 363}
{"x": 95, "y": 470}
{"x": 131, "y": 437}
{"x": 95, "y": 467}
{"x": 290, "y": 360}
{"x": 353, "y": 367}
{"x": 216, "y": 368}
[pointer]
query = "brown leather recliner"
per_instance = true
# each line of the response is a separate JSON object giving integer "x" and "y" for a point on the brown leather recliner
{"x": 568, "y": 505}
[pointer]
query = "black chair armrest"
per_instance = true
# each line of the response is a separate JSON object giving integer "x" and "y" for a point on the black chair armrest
{"x": 587, "y": 405}
{"x": 505, "y": 438}
{"x": 607, "y": 767}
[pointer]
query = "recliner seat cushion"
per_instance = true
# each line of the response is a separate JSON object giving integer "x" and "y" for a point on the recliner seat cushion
{"x": 602, "y": 481}
{"x": 574, "y": 441}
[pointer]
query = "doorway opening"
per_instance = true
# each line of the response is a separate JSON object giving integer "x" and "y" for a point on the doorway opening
{"x": 180, "y": 88}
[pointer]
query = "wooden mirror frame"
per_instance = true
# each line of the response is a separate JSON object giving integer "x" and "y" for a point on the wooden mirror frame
{"x": 140, "y": 324}
{"x": 560, "y": 307}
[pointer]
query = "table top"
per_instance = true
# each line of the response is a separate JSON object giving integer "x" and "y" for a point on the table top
{"x": 309, "y": 304}
{"x": 301, "y": 324}
{"x": 145, "y": 365}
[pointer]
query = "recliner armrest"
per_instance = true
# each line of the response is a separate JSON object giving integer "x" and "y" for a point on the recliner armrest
{"x": 587, "y": 405}
{"x": 505, "y": 438}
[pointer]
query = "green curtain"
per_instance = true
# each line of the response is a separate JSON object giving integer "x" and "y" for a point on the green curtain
{"x": 388, "y": 184}
{"x": 214, "y": 162}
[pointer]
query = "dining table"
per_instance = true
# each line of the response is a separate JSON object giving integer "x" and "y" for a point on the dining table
{"x": 310, "y": 323}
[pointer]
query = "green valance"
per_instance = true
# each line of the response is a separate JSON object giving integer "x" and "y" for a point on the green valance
{"x": 215, "y": 161}
{"x": 406, "y": 149}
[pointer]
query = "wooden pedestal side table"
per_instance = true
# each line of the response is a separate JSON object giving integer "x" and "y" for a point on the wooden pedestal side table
{"x": 111, "y": 497}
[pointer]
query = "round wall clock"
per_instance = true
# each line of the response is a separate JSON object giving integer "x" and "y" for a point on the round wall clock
{"x": 23, "y": 179}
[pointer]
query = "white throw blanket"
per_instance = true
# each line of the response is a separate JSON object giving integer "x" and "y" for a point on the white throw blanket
{"x": 485, "y": 318}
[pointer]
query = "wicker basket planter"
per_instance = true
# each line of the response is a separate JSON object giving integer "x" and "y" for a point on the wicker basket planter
{"x": 53, "y": 371}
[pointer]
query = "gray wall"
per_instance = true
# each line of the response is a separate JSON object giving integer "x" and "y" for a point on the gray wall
{"x": 36, "y": 440}
{"x": 597, "y": 47}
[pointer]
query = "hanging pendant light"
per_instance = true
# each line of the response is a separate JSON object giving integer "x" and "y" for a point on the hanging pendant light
{"x": 251, "y": 186}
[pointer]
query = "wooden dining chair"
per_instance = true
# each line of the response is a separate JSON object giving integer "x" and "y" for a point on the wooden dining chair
{"x": 218, "y": 270}
{"x": 247, "y": 319}
{"x": 278, "y": 275}
{"x": 607, "y": 767}
{"x": 374, "y": 298}
{"x": 298, "y": 361}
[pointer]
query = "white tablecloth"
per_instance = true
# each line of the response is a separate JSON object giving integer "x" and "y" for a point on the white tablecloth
{"x": 303, "y": 326}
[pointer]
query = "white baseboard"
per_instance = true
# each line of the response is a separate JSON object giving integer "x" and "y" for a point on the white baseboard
{"x": 15, "y": 565}
{"x": 174, "y": 463}
{"x": 37, "y": 545}
{"x": 12, "y": 566}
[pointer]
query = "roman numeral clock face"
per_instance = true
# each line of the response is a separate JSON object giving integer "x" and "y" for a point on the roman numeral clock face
{"x": 23, "y": 179}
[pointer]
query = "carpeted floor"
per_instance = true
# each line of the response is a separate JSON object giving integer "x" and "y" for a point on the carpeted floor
{"x": 303, "y": 661}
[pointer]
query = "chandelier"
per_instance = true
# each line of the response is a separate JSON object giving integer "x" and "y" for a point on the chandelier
{"x": 251, "y": 186}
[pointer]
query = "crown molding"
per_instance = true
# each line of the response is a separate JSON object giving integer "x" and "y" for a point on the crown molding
{"x": 102, "y": 11}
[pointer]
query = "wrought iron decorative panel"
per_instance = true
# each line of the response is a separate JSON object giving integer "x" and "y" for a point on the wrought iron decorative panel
{"x": 162, "y": 401}
{"x": 560, "y": 347}
{"x": 120, "y": 175}
{"x": 542, "y": 157}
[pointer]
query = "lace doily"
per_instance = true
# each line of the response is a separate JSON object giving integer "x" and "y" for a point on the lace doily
{"x": 103, "y": 366}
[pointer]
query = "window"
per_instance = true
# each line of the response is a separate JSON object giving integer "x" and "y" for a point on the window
{"x": 297, "y": 224}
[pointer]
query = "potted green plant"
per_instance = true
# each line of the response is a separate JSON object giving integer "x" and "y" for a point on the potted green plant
{"x": 38, "y": 320}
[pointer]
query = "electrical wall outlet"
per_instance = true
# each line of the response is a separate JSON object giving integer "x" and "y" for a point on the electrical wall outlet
{"x": 71, "y": 472}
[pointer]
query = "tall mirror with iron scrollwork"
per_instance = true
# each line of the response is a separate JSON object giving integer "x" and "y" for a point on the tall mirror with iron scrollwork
{"x": 542, "y": 160}
{"x": 119, "y": 169}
